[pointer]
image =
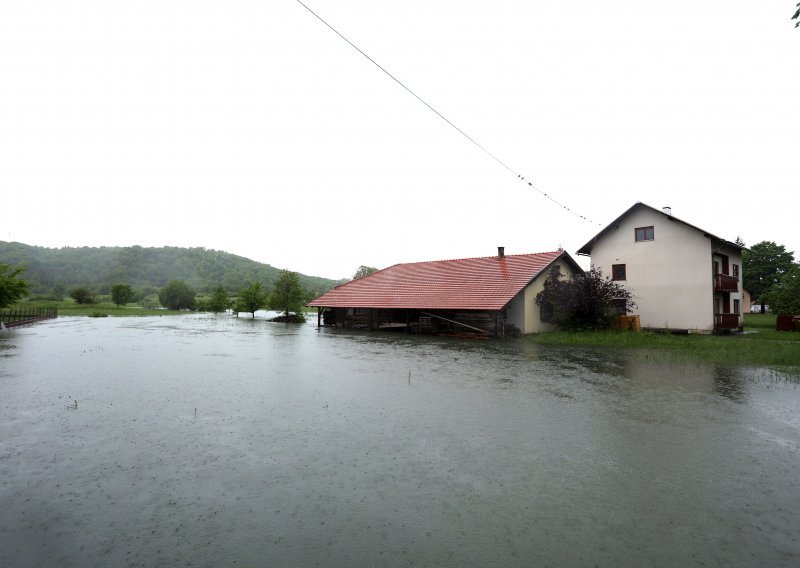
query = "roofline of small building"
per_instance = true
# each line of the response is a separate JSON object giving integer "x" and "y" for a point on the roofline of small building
{"x": 562, "y": 254}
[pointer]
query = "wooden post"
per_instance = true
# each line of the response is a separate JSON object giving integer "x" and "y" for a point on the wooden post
{"x": 319, "y": 316}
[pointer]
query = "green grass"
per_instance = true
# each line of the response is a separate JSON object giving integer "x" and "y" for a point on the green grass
{"x": 762, "y": 346}
{"x": 759, "y": 321}
{"x": 69, "y": 307}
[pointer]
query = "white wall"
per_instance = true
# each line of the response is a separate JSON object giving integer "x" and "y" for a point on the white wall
{"x": 670, "y": 276}
{"x": 523, "y": 312}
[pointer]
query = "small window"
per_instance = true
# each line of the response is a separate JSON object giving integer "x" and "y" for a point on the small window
{"x": 618, "y": 272}
{"x": 735, "y": 270}
{"x": 644, "y": 234}
{"x": 736, "y": 306}
{"x": 619, "y": 306}
{"x": 546, "y": 312}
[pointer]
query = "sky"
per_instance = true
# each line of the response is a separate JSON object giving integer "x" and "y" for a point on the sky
{"x": 253, "y": 128}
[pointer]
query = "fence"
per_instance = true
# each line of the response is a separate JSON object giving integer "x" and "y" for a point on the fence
{"x": 22, "y": 316}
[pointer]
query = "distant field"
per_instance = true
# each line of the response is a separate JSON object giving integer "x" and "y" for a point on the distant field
{"x": 69, "y": 307}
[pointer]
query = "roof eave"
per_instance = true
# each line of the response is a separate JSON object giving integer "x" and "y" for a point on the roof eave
{"x": 586, "y": 250}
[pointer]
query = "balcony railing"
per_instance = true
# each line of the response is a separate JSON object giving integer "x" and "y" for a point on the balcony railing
{"x": 725, "y": 283}
{"x": 726, "y": 321}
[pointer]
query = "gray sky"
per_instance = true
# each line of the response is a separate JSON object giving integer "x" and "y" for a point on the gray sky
{"x": 250, "y": 127}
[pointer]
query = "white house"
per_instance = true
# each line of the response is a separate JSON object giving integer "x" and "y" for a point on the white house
{"x": 682, "y": 277}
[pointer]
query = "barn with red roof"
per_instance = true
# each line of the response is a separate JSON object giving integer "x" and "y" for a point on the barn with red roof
{"x": 486, "y": 296}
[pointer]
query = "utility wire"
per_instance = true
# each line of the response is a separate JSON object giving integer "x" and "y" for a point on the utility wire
{"x": 440, "y": 115}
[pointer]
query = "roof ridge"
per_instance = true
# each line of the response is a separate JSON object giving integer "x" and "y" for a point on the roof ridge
{"x": 475, "y": 283}
{"x": 559, "y": 251}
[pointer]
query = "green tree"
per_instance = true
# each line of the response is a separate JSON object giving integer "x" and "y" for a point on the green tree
{"x": 797, "y": 15}
{"x": 784, "y": 297}
{"x": 587, "y": 301}
{"x": 99, "y": 268}
{"x": 176, "y": 295}
{"x": 59, "y": 291}
{"x": 83, "y": 295}
{"x": 362, "y": 271}
{"x": 288, "y": 295}
{"x": 121, "y": 294}
{"x": 12, "y": 288}
{"x": 762, "y": 267}
{"x": 252, "y": 299}
{"x": 219, "y": 300}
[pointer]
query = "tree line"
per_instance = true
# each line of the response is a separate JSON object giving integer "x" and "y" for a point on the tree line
{"x": 287, "y": 296}
{"x": 769, "y": 272}
{"x": 52, "y": 273}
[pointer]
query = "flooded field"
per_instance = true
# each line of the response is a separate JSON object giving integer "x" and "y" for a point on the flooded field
{"x": 217, "y": 441}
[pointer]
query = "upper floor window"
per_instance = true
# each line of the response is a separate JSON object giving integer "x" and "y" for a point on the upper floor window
{"x": 644, "y": 234}
{"x": 618, "y": 272}
{"x": 735, "y": 270}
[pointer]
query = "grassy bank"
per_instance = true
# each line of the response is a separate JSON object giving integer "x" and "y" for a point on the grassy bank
{"x": 759, "y": 321}
{"x": 69, "y": 307}
{"x": 760, "y": 346}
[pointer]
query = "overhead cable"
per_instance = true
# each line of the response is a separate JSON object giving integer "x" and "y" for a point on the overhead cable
{"x": 440, "y": 115}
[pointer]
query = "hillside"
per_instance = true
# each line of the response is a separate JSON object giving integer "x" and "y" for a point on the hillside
{"x": 142, "y": 268}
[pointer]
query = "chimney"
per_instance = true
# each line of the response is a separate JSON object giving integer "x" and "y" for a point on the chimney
{"x": 667, "y": 210}
{"x": 501, "y": 252}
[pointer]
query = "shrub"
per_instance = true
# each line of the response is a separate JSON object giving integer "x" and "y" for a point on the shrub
{"x": 587, "y": 301}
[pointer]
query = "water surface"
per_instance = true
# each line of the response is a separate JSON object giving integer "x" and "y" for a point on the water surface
{"x": 210, "y": 441}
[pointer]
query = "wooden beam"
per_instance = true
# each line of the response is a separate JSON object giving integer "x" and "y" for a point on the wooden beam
{"x": 457, "y": 323}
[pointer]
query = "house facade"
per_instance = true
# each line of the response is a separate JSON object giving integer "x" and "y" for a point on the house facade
{"x": 682, "y": 277}
{"x": 486, "y": 296}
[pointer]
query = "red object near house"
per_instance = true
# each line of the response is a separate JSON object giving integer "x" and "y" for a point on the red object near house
{"x": 785, "y": 322}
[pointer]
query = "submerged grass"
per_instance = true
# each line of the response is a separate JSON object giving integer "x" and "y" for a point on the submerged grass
{"x": 759, "y": 345}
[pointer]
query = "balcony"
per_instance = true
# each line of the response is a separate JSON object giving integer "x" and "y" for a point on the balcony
{"x": 725, "y": 283}
{"x": 726, "y": 321}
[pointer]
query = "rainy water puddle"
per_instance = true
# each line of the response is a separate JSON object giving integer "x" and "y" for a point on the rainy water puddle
{"x": 215, "y": 441}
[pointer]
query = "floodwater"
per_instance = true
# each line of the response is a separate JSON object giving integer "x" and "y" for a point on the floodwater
{"x": 217, "y": 441}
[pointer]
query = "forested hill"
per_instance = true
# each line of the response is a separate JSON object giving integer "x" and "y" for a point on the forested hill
{"x": 100, "y": 268}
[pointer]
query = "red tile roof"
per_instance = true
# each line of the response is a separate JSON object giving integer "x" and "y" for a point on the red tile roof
{"x": 486, "y": 283}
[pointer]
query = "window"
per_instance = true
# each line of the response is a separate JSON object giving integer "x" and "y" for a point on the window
{"x": 546, "y": 312}
{"x": 619, "y": 306}
{"x": 735, "y": 270}
{"x": 618, "y": 272}
{"x": 736, "y": 305}
{"x": 644, "y": 234}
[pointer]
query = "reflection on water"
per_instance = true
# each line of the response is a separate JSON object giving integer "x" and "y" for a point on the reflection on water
{"x": 729, "y": 383}
{"x": 221, "y": 441}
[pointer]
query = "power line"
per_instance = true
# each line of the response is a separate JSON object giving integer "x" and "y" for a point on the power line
{"x": 440, "y": 115}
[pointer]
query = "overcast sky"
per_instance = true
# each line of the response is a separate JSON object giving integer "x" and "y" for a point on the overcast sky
{"x": 251, "y": 127}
